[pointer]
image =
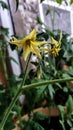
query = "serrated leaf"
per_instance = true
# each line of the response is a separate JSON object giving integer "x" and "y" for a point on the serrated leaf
{"x": 17, "y": 4}
{"x": 40, "y": 90}
{"x": 4, "y": 5}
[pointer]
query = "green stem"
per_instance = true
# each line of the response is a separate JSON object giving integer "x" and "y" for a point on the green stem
{"x": 46, "y": 83}
{"x": 6, "y": 115}
{"x": 3, "y": 57}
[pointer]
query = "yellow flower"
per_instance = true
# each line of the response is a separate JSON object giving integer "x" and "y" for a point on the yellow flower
{"x": 56, "y": 46}
{"x": 57, "y": 43}
{"x": 28, "y": 44}
{"x": 55, "y": 51}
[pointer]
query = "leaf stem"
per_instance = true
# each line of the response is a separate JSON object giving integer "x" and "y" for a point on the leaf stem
{"x": 46, "y": 83}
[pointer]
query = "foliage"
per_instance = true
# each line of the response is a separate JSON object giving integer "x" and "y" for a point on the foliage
{"x": 17, "y": 4}
{"x": 3, "y": 4}
{"x": 50, "y": 67}
{"x": 60, "y": 1}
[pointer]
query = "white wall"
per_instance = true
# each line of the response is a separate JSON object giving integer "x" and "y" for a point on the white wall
{"x": 6, "y": 22}
{"x": 62, "y": 7}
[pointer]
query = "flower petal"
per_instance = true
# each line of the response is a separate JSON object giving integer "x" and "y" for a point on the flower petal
{"x": 31, "y": 36}
{"x": 55, "y": 51}
{"x": 47, "y": 50}
{"x": 35, "y": 50}
{"x": 26, "y": 51}
{"x": 38, "y": 43}
{"x": 16, "y": 42}
{"x": 54, "y": 42}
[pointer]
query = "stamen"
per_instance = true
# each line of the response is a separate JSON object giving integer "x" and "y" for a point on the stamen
{"x": 28, "y": 42}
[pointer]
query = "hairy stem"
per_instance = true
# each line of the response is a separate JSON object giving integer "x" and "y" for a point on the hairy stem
{"x": 7, "y": 112}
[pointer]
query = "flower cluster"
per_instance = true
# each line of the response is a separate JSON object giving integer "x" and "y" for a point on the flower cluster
{"x": 56, "y": 45}
{"x": 30, "y": 44}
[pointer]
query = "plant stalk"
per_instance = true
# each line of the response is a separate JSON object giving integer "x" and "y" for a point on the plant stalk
{"x": 46, "y": 83}
{"x": 7, "y": 112}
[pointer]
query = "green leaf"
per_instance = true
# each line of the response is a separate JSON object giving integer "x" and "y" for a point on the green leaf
{"x": 48, "y": 11}
{"x": 39, "y": 116}
{"x": 17, "y": 4}
{"x": 41, "y": 1}
{"x": 37, "y": 126}
{"x": 69, "y": 123}
{"x": 4, "y": 31}
{"x": 11, "y": 58}
{"x": 71, "y": 1}
{"x": 65, "y": 89}
{"x": 62, "y": 123}
{"x": 62, "y": 112}
{"x": 28, "y": 126}
{"x": 66, "y": 75}
{"x": 59, "y": 1}
{"x": 32, "y": 125}
{"x": 2, "y": 91}
{"x": 4, "y": 5}
{"x": 40, "y": 92}
{"x": 51, "y": 90}
{"x": 69, "y": 104}
{"x": 70, "y": 71}
{"x": 9, "y": 125}
{"x": 39, "y": 20}
{"x": 58, "y": 84}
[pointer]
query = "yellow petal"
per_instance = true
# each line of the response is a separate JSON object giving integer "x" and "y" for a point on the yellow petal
{"x": 36, "y": 51}
{"x": 31, "y": 36}
{"x": 26, "y": 52}
{"x": 54, "y": 42}
{"x": 55, "y": 51}
{"x": 38, "y": 43}
{"x": 47, "y": 51}
{"x": 57, "y": 43}
{"x": 16, "y": 42}
{"x": 13, "y": 38}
